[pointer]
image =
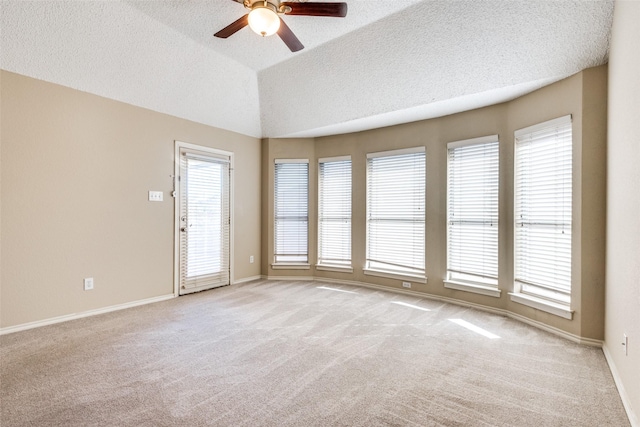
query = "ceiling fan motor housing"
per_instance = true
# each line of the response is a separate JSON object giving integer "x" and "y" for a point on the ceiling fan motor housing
{"x": 264, "y": 20}
{"x": 274, "y": 5}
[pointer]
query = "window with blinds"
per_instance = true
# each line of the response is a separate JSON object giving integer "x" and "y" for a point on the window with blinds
{"x": 396, "y": 212}
{"x": 543, "y": 210}
{"x": 334, "y": 212}
{"x": 291, "y": 211}
{"x": 472, "y": 211}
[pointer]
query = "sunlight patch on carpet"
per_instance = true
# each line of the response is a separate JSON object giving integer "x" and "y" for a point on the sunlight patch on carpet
{"x": 474, "y": 328}
{"x": 404, "y": 304}
{"x": 334, "y": 289}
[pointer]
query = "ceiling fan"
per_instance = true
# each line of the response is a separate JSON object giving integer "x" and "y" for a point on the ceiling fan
{"x": 264, "y": 20}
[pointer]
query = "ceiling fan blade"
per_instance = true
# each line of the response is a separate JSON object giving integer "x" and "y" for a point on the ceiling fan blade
{"x": 233, "y": 27}
{"x": 338, "y": 10}
{"x": 289, "y": 38}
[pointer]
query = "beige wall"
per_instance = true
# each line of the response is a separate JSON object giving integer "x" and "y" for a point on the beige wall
{"x": 76, "y": 169}
{"x": 582, "y": 95}
{"x": 623, "y": 205}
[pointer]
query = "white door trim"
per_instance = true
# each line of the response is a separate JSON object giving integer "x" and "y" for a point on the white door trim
{"x": 176, "y": 207}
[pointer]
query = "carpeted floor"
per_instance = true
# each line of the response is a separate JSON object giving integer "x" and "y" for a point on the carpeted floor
{"x": 272, "y": 353}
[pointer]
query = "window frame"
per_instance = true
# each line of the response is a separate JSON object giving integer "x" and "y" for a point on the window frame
{"x": 342, "y": 263}
{"x": 482, "y": 283}
{"x": 283, "y": 263}
{"x": 415, "y": 274}
{"x": 549, "y": 301}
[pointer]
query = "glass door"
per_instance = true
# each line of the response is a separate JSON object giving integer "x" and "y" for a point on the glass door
{"x": 204, "y": 221}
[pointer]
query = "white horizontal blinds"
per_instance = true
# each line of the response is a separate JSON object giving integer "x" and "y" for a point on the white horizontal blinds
{"x": 396, "y": 212}
{"x": 472, "y": 211}
{"x": 334, "y": 212}
{"x": 543, "y": 209}
{"x": 292, "y": 211}
{"x": 205, "y": 240}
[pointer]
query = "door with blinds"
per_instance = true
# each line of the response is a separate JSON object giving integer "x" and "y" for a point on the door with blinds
{"x": 204, "y": 220}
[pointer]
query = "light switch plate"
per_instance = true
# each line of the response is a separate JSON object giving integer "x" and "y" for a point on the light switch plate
{"x": 155, "y": 196}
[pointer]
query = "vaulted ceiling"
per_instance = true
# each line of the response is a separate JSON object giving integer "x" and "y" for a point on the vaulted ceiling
{"x": 384, "y": 63}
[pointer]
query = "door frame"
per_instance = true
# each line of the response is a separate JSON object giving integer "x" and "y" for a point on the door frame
{"x": 176, "y": 207}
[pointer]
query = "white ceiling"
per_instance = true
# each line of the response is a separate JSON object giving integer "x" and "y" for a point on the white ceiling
{"x": 200, "y": 19}
{"x": 385, "y": 63}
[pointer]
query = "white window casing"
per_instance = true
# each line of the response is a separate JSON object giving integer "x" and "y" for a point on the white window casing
{"x": 543, "y": 211}
{"x": 205, "y": 245}
{"x": 472, "y": 215}
{"x": 334, "y": 213}
{"x": 291, "y": 227}
{"x": 396, "y": 182}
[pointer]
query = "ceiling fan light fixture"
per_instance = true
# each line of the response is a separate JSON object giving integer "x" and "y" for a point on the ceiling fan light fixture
{"x": 264, "y": 20}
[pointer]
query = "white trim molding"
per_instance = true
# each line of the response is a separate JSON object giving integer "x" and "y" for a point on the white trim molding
{"x": 346, "y": 158}
{"x": 543, "y": 126}
{"x": 88, "y": 313}
{"x": 473, "y": 141}
{"x": 626, "y": 402}
{"x": 281, "y": 161}
{"x": 207, "y": 151}
{"x": 397, "y": 276}
{"x": 397, "y": 152}
{"x": 285, "y": 266}
{"x": 334, "y": 268}
{"x": 558, "y": 332}
{"x": 293, "y": 278}
{"x": 476, "y": 289}
{"x": 542, "y": 305}
{"x": 247, "y": 279}
{"x": 535, "y": 323}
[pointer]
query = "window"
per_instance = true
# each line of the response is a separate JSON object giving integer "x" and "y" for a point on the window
{"x": 334, "y": 212}
{"x": 292, "y": 211}
{"x": 395, "y": 212}
{"x": 543, "y": 185}
{"x": 472, "y": 211}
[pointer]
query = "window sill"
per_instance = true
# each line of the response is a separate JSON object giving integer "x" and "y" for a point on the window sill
{"x": 386, "y": 274}
{"x": 297, "y": 266}
{"x": 337, "y": 269}
{"x": 543, "y": 305}
{"x": 476, "y": 289}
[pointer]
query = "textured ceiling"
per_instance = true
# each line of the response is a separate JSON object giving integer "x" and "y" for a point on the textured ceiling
{"x": 385, "y": 63}
{"x": 199, "y": 19}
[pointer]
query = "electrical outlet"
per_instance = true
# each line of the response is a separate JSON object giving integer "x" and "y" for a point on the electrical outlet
{"x": 625, "y": 344}
{"x": 251, "y": 259}
{"x": 155, "y": 196}
{"x": 406, "y": 285}
{"x": 88, "y": 283}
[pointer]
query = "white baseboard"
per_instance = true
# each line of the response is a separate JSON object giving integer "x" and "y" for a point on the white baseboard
{"x": 575, "y": 338}
{"x": 307, "y": 278}
{"x": 248, "y": 279}
{"x": 430, "y": 297}
{"x": 626, "y": 402}
{"x": 571, "y": 337}
{"x": 564, "y": 334}
{"x": 67, "y": 317}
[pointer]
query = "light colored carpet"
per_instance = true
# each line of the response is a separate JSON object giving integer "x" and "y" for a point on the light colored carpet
{"x": 273, "y": 353}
